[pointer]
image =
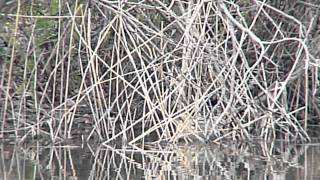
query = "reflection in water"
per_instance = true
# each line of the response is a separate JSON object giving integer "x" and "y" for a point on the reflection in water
{"x": 247, "y": 160}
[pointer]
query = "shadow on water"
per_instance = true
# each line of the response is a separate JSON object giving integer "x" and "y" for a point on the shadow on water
{"x": 229, "y": 160}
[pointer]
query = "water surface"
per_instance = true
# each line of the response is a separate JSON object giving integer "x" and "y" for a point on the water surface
{"x": 229, "y": 160}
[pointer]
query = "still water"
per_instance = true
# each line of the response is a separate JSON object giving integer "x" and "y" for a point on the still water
{"x": 255, "y": 160}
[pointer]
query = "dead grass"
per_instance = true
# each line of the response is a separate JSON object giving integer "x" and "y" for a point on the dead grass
{"x": 159, "y": 71}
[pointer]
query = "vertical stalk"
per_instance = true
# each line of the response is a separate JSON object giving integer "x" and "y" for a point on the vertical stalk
{"x": 10, "y": 69}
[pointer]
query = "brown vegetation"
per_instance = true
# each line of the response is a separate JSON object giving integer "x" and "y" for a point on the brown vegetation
{"x": 160, "y": 70}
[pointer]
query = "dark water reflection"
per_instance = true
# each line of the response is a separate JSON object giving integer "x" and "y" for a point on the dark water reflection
{"x": 246, "y": 160}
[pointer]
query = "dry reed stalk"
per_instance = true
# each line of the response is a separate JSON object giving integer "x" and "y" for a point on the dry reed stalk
{"x": 170, "y": 69}
{"x": 10, "y": 70}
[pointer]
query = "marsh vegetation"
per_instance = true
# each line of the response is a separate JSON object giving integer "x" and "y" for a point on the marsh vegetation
{"x": 141, "y": 71}
{"x": 172, "y": 89}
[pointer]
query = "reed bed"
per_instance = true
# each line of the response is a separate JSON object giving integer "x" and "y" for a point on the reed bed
{"x": 160, "y": 71}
